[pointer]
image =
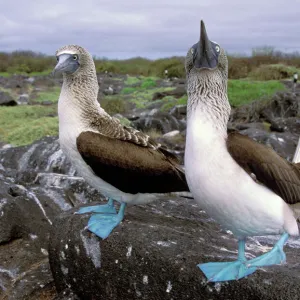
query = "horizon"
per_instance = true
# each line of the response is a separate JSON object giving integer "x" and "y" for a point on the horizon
{"x": 249, "y": 53}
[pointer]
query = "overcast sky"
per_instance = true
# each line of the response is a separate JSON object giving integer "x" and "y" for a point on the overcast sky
{"x": 156, "y": 28}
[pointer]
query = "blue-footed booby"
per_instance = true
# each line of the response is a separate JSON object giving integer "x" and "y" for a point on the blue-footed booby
{"x": 124, "y": 164}
{"x": 245, "y": 186}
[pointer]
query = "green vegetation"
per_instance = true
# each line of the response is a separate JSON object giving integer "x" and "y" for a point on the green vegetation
{"x": 239, "y": 92}
{"x": 113, "y": 105}
{"x": 244, "y": 91}
{"x": 51, "y": 95}
{"x": 141, "y": 81}
{"x": 273, "y": 72}
{"x": 148, "y": 83}
{"x": 28, "y": 62}
{"x": 131, "y": 80}
{"x": 251, "y": 78}
{"x": 24, "y": 124}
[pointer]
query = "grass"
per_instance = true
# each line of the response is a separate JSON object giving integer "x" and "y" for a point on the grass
{"x": 5, "y": 74}
{"x": 141, "y": 81}
{"x": 245, "y": 91}
{"x": 51, "y": 95}
{"x": 153, "y": 133}
{"x": 21, "y": 125}
{"x": 113, "y": 105}
{"x": 240, "y": 92}
{"x": 127, "y": 90}
{"x": 42, "y": 73}
{"x": 131, "y": 80}
{"x": 148, "y": 83}
{"x": 140, "y": 98}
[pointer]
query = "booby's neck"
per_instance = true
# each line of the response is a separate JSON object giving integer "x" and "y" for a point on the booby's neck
{"x": 78, "y": 97}
{"x": 208, "y": 101}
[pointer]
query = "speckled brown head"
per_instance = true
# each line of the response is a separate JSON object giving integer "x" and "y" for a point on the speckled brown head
{"x": 80, "y": 84}
{"x": 73, "y": 59}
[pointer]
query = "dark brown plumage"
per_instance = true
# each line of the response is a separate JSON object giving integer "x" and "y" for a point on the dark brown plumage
{"x": 144, "y": 168}
{"x": 270, "y": 169}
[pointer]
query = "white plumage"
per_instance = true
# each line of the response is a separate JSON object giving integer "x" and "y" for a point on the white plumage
{"x": 225, "y": 191}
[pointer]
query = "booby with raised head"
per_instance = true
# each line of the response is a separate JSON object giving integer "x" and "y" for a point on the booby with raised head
{"x": 245, "y": 186}
{"x": 124, "y": 164}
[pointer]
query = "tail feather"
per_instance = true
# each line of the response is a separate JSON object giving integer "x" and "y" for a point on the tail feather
{"x": 296, "y": 158}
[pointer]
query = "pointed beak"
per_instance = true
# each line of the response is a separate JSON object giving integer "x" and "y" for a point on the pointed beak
{"x": 65, "y": 64}
{"x": 205, "y": 56}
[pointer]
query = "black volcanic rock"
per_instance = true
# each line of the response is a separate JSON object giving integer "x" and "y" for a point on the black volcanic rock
{"x": 153, "y": 255}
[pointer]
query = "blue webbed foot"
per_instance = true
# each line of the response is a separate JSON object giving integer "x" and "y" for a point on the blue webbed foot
{"x": 274, "y": 257}
{"x": 102, "y": 224}
{"x": 103, "y": 208}
{"x": 224, "y": 271}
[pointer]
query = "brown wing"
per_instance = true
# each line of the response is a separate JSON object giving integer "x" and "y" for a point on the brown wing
{"x": 130, "y": 167}
{"x": 269, "y": 168}
{"x": 111, "y": 127}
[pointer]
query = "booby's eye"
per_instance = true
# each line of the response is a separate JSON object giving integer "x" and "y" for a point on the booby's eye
{"x": 75, "y": 57}
{"x": 57, "y": 58}
{"x": 217, "y": 48}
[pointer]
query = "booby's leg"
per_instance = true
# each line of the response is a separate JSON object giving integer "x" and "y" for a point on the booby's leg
{"x": 224, "y": 271}
{"x": 103, "y": 208}
{"x": 273, "y": 257}
{"x": 102, "y": 224}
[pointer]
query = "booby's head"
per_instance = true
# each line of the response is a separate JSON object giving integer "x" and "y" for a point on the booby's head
{"x": 206, "y": 68}
{"x": 206, "y": 58}
{"x": 72, "y": 59}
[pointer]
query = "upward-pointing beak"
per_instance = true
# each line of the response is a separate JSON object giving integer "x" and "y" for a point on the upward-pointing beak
{"x": 205, "y": 57}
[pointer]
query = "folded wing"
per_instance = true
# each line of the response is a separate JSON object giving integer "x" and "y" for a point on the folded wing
{"x": 270, "y": 169}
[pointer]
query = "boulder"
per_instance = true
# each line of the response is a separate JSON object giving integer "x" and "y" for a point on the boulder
{"x": 23, "y": 99}
{"x": 25, "y": 221}
{"x": 281, "y": 105}
{"x": 171, "y": 134}
{"x": 43, "y": 155}
{"x": 179, "y": 111}
{"x": 17, "y": 83}
{"x": 291, "y": 124}
{"x": 7, "y": 100}
{"x": 153, "y": 255}
{"x": 283, "y": 143}
{"x": 111, "y": 85}
{"x": 158, "y": 121}
{"x": 32, "y": 193}
{"x": 178, "y": 92}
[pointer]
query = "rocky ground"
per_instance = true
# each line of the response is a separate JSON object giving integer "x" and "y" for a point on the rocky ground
{"x": 45, "y": 252}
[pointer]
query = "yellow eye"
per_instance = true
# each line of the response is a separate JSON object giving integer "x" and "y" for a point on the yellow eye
{"x": 217, "y": 48}
{"x": 75, "y": 57}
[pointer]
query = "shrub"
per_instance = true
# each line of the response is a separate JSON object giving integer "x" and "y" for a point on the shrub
{"x": 148, "y": 83}
{"x": 113, "y": 105}
{"x": 272, "y": 72}
{"x": 174, "y": 65}
{"x": 239, "y": 66}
